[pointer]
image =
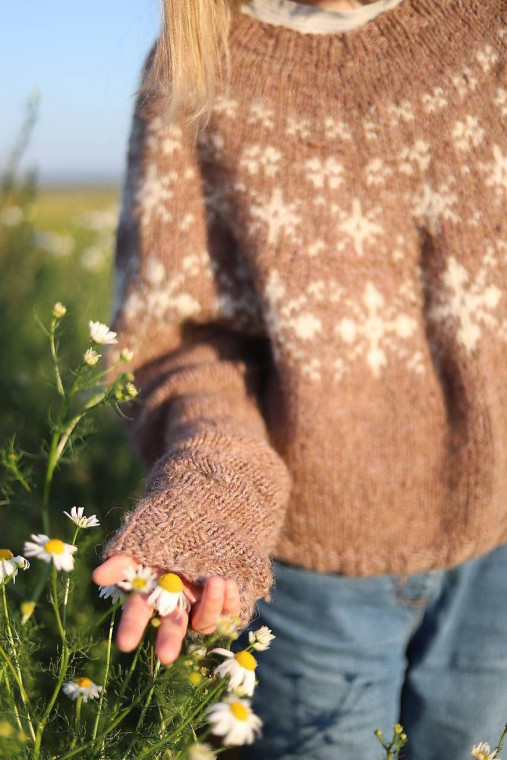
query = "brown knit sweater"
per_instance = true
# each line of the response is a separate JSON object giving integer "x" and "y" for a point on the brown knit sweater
{"x": 316, "y": 297}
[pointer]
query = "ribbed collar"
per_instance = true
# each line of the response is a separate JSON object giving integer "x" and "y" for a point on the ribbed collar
{"x": 420, "y": 41}
{"x": 310, "y": 19}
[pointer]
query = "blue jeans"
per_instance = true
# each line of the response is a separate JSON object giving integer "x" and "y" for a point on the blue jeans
{"x": 352, "y": 655}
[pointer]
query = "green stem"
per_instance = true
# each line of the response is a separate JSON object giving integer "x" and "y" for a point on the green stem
{"x": 79, "y": 702}
{"x": 38, "y": 591}
{"x": 42, "y": 725}
{"x": 19, "y": 679}
{"x": 184, "y": 724}
{"x": 54, "y": 357}
{"x": 150, "y": 696}
{"x": 104, "y": 685}
{"x": 67, "y": 585}
{"x": 56, "y": 607}
{"x": 499, "y": 746}
{"x": 108, "y": 730}
{"x": 12, "y": 699}
{"x": 128, "y": 678}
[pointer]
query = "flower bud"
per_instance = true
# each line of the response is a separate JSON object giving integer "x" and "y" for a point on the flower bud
{"x": 59, "y": 310}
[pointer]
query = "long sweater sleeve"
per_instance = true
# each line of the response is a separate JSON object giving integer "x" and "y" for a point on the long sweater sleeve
{"x": 216, "y": 491}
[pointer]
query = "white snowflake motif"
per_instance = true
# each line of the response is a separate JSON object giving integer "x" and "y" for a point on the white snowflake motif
{"x": 301, "y": 128}
{"x": 434, "y": 204}
{"x": 400, "y": 112}
{"x": 487, "y": 57}
{"x": 465, "y": 81}
{"x": 359, "y": 227}
{"x": 336, "y": 129}
{"x": 257, "y": 157}
{"x": 468, "y": 134}
{"x": 315, "y": 248}
{"x": 160, "y": 294}
{"x": 226, "y": 106}
{"x": 496, "y": 172}
{"x": 500, "y": 101}
{"x": 418, "y": 153}
{"x": 374, "y": 328}
{"x": 465, "y": 302}
{"x": 324, "y": 173}
{"x": 292, "y": 322}
{"x": 376, "y": 172}
{"x": 432, "y": 102}
{"x": 153, "y": 193}
{"x": 278, "y": 216}
{"x": 162, "y": 138}
{"x": 261, "y": 113}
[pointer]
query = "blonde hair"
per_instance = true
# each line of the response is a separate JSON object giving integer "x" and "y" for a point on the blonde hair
{"x": 189, "y": 57}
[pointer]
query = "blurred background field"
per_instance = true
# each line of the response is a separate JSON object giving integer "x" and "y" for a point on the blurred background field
{"x": 57, "y": 244}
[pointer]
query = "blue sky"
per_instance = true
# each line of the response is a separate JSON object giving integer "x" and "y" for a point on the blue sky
{"x": 84, "y": 57}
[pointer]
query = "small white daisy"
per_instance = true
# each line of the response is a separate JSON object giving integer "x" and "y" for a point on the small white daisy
{"x": 168, "y": 595}
{"x": 482, "y": 751}
{"x": 77, "y": 517}
{"x": 200, "y": 752}
{"x": 100, "y": 333}
{"x": 91, "y": 357}
{"x": 59, "y": 310}
{"x": 51, "y": 550}
{"x": 126, "y": 355}
{"x": 141, "y": 579}
{"x": 228, "y": 625}
{"x": 113, "y": 592}
{"x": 234, "y": 721}
{"x": 261, "y": 638}
{"x": 9, "y": 564}
{"x": 81, "y": 687}
{"x": 240, "y": 668}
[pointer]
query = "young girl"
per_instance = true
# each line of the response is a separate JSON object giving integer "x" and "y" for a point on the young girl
{"x": 312, "y": 267}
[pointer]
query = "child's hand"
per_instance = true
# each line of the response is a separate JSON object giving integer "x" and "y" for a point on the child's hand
{"x": 218, "y": 596}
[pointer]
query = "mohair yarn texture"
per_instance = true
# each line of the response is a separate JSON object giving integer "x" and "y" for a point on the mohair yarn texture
{"x": 315, "y": 293}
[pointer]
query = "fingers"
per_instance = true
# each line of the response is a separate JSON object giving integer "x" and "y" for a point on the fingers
{"x": 170, "y": 636}
{"x": 232, "y": 602}
{"x": 136, "y": 614}
{"x": 219, "y": 597}
{"x": 113, "y": 569}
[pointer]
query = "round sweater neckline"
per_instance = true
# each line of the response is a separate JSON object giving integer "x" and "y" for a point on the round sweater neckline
{"x": 312, "y": 19}
{"x": 417, "y": 39}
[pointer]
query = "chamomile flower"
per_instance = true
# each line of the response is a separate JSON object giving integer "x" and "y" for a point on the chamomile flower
{"x": 91, "y": 357}
{"x": 483, "y": 751}
{"x": 77, "y": 517}
{"x": 228, "y": 625}
{"x": 101, "y": 334}
{"x": 234, "y": 721}
{"x": 112, "y": 592}
{"x": 81, "y": 687}
{"x": 240, "y": 668}
{"x": 140, "y": 578}
{"x": 59, "y": 310}
{"x": 261, "y": 638}
{"x": 9, "y": 565}
{"x": 126, "y": 355}
{"x": 168, "y": 595}
{"x": 51, "y": 550}
{"x": 200, "y": 752}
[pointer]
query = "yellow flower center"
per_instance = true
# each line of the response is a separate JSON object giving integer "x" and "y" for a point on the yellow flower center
{"x": 246, "y": 660}
{"x": 54, "y": 546}
{"x": 170, "y": 582}
{"x": 139, "y": 583}
{"x": 5, "y": 554}
{"x": 240, "y": 711}
{"x": 83, "y": 682}
{"x": 195, "y": 678}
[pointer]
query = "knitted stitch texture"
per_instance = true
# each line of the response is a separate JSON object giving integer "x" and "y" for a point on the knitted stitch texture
{"x": 316, "y": 297}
